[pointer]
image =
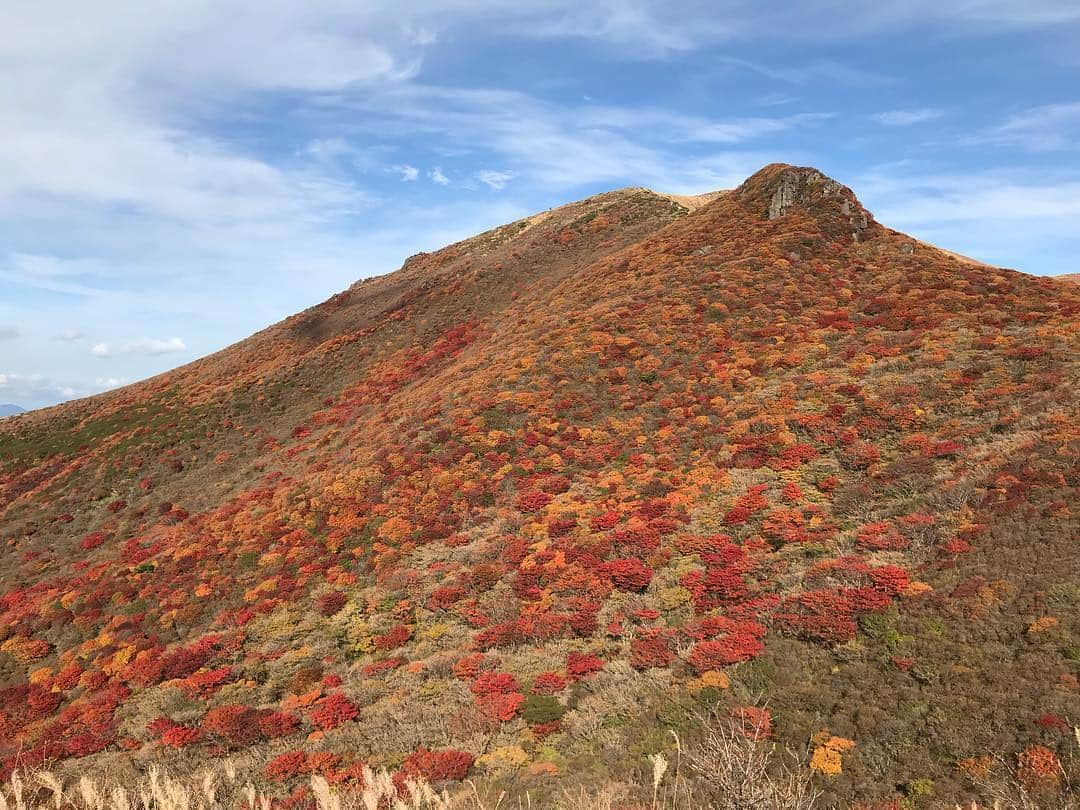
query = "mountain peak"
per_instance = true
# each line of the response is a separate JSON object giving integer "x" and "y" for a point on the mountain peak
{"x": 779, "y": 188}
{"x": 617, "y": 458}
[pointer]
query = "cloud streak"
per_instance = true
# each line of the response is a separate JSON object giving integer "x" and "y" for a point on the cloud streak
{"x": 143, "y": 345}
{"x": 907, "y": 118}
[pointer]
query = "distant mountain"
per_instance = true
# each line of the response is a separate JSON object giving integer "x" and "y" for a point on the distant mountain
{"x": 540, "y": 500}
{"x": 11, "y": 410}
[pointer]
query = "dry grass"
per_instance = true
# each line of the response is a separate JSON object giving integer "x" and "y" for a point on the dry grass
{"x": 730, "y": 768}
{"x": 213, "y": 789}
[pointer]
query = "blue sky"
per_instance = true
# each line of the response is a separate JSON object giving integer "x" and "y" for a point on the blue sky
{"x": 176, "y": 175}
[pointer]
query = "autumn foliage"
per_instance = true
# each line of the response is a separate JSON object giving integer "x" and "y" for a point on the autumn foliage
{"x": 549, "y": 490}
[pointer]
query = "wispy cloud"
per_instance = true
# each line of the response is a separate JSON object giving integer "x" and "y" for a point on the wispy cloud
{"x": 1028, "y": 220}
{"x": 907, "y": 118}
{"x": 145, "y": 345}
{"x": 142, "y": 345}
{"x": 29, "y": 390}
{"x": 566, "y": 146}
{"x": 8, "y": 332}
{"x": 1046, "y": 128}
{"x": 493, "y": 179}
{"x": 152, "y": 167}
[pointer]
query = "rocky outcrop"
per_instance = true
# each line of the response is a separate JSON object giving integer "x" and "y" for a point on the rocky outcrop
{"x": 779, "y": 189}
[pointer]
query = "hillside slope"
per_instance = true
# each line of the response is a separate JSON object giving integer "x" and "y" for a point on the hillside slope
{"x": 547, "y": 494}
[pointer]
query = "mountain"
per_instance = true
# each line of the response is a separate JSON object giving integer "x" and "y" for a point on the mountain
{"x": 539, "y": 501}
{"x": 10, "y": 410}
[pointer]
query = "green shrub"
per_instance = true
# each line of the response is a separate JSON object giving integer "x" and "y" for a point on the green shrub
{"x": 539, "y": 709}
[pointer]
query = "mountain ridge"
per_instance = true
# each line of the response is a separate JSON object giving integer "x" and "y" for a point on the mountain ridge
{"x": 604, "y": 469}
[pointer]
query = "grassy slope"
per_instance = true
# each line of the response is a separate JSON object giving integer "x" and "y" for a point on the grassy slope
{"x": 631, "y": 360}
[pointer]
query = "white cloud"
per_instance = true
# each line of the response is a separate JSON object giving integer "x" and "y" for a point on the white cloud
{"x": 1046, "y": 128}
{"x": 153, "y": 165}
{"x": 563, "y": 147}
{"x": 145, "y": 345}
{"x": 8, "y": 332}
{"x": 493, "y": 179}
{"x": 1024, "y": 219}
{"x": 33, "y": 390}
{"x": 70, "y": 336}
{"x": 906, "y": 118}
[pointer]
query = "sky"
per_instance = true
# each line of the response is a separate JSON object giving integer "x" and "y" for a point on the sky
{"x": 177, "y": 174}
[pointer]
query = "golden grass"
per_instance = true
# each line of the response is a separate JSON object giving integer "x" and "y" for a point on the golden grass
{"x": 727, "y": 770}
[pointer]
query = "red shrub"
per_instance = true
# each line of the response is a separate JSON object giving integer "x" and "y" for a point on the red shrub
{"x": 1052, "y": 722}
{"x": 548, "y": 683}
{"x": 438, "y": 766}
{"x": 755, "y": 723}
{"x": 729, "y": 650}
{"x": 651, "y": 651}
{"x": 542, "y": 730}
{"x": 180, "y": 736}
{"x": 398, "y": 635}
{"x": 501, "y": 707}
{"x": 332, "y": 711}
{"x": 467, "y": 668}
{"x": 890, "y": 579}
{"x": 92, "y": 541}
{"x": 1038, "y": 767}
{"x": 533, "y": 501}
{"x": 494, "y": 683}
{"x": 579, "y": 665}
{"x": 332, "y": 603}
{"x": 323, "y": 762}
{"x": 206, "y": 683}
{"x": 627, "y": 574}
{"x": 881, "y": 536}
{"x": 377, "y": 669}
{"x": 235, "y": 725}
{"x": 274, "y": 725}
{"x": 608, "y": 520}
{"x": 285, "y": 766}
{"x": 444, "y": 598}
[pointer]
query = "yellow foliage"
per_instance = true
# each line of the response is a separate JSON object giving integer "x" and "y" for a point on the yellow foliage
{"x": 119, "y": 660}
{"x": 395, "y": 530}
{"x": 674, "y": 597}
{"x": 1043, "y": 624}
{"x": 41, "y": 675}
{"x": 917, "y": 588}
{"x": 509, "y": 756}
{"x": 827, "y": 756}
{"x": 435, "y": 632}
{"x": 711, "y": 678}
